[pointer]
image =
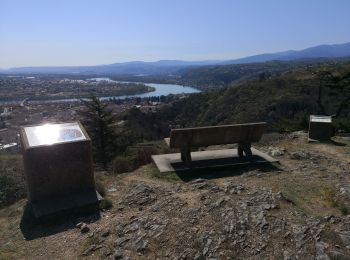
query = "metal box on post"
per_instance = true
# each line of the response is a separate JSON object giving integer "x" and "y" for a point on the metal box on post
{"x": 320, "y": 128}
{"x": 58, "y": 167}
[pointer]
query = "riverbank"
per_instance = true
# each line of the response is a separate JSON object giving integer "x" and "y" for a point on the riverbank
{"x": 67, "y": 98}
{"x": 69, "y": 90}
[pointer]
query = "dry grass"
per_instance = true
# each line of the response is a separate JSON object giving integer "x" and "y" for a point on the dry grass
{"x": 312, "y": 197}
{"x": 152, "y": 171}
{"x": 328, "y": 197}
{"x": 12, "y": 245}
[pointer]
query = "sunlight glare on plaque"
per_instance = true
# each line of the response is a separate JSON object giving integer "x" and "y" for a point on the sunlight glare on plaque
{"x": 48, "y": 134}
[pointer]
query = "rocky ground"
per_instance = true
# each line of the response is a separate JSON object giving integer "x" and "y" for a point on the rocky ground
{"x": 297, "y": 209}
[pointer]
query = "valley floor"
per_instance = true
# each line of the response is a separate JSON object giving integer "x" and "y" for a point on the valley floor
{"x": 297, "y": 209}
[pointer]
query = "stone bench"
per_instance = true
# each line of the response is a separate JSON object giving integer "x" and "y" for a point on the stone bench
{"x": 242, "y": 134}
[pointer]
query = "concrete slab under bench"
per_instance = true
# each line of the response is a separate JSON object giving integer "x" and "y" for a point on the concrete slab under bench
{"x": 206, "y": 159}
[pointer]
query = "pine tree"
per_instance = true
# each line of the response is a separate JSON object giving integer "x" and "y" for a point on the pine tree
{"x": 98, "y": 121}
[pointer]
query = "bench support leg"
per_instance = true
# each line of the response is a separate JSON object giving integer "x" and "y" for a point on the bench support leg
{"x": 186, "y": 155}
{"x": 244, "y": 149}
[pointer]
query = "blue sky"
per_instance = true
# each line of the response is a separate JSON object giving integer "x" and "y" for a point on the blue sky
{"x": 89, "y": 32}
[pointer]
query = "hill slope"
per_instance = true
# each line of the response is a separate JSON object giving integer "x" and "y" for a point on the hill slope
{"x": 284, "y": 100}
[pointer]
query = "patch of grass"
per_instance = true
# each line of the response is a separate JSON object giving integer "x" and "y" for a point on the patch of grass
{"x": 330, "y": 201}
{"x": 10, "y": 156}
{"x": 106, "y": 204}
{"x": 122, "y": 164}
{"x": 93, "y": 240}
{"x": 152, "y": 171}
{"x": 343, "y": 209}
{"x": 328, "y": 195}
{"x": 331, "y": 236}
{"x": 292, "y": 145}
{"x": 11, "y": 189}
{"x": 99, "y": 185}
{"x": 136, "y": 156}
{"x": 12, "y": 186}
{"x": 313, "y": 197}
{"x": 169, "y": 176}
{"x": 10, "y": 253}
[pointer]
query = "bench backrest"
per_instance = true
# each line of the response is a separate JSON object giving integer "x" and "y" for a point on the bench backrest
{"x": 214, "y": 135}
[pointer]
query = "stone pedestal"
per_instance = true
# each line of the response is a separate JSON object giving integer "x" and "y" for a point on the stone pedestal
{"x": 58, "y": 167}
{"x": 320, "y": 128}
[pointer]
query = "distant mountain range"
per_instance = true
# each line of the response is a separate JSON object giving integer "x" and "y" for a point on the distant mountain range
{"x": 320, "y": 51}
{"x": 176, "y": 66}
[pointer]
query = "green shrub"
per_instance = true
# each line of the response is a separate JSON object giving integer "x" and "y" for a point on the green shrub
{"x": 343, "y": 209}
{"x": 134, "y": 158}
{"x": 123, "y": 164}
{"x": 342, "y": 125}
{"x": 12, "y": 187}
{"x": 144, "y": 155}
{"x": 100, "y": 187}
{"x": 106, "y": 204}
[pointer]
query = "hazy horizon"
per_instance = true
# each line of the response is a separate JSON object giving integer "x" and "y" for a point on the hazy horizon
{"x": 81, "y": 33}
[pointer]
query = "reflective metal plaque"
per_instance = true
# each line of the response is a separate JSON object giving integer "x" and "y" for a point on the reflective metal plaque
{"x": 321, "y": 119}
{"x": 49, "y": 134}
